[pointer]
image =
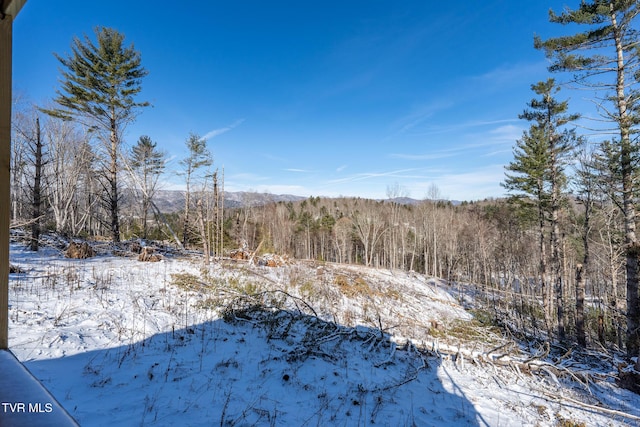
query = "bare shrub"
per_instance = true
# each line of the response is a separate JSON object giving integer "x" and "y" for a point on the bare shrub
{"x": 15, "y": 269}
{"x": 136, "y": 247}
{"x": 187, "y": 281}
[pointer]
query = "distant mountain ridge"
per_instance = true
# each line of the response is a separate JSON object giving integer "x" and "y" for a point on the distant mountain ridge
{"x": 169, "y": 201}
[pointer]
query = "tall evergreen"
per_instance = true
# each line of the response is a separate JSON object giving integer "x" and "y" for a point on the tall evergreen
{"x": 551, "y": 116}
{"x": 527, "y": 181}
{"x": 604, "y": 57}
{"x": 538, "y": 174}
{"x": 99, "y": 87}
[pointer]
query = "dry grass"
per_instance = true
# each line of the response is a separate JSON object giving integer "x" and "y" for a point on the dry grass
{"x": 352, "y": 288}
{"x": 187, "y": 281}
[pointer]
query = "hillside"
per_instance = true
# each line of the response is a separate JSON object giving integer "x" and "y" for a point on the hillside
{"x": 169, "y": 201}
{"x": 123, "y": 342}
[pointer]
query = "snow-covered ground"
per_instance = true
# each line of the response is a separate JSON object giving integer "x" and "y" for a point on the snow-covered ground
{"x": 122, "y": 342}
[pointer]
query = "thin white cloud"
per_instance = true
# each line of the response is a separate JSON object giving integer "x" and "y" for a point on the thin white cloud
{"x": 217, "y": 132}
{"x": 457, "y": 127}
{"x": 430, "y": 156}
{"x": 475, "y": 184}
{"x": 402, "y": 173}
{"x": 421, "y": 114}
{"x": 269, "y": 189}
{"x": 506, "y": 73}
{"x": 247, "y": 177}
{"x": 507, "y": 133}
{"x": 497, "y": 152}
{"x": 341, "y": 168}
{"x": 296, "y": 170}
{"x": 494, "y": 138}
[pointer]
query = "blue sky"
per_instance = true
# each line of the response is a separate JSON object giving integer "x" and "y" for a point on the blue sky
{"x": 318, "y": 98}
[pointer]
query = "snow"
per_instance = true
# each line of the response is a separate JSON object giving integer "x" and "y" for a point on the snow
{"x": 122, "y": 342}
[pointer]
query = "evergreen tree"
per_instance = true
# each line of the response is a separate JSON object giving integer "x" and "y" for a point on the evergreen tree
{"x": 608, "y": 47}
{"x": 99, "y": 85}
{"x": 526, "y": 180}
{"x": 540, "y": 160}
{"x": 551, "y": 115}
{"x": 148, "y": 164}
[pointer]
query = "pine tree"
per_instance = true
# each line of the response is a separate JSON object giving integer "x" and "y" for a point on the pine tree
{"x": 551, "y": 115}
{"x": 148, "y": 164}
{"x": 608, "y": 47}
{"x": 526, "y": 180}
{"x": 540, "y": 159}
{"x": 99, "y": 85}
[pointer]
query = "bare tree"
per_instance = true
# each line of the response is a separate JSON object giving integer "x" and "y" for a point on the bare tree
{"x": 369, "y": 226}
{"x": 198, "y": 157}
{"x": 147, "y": 163}
{"x": 69, "y": 154}
{"x": 586, "y": 188}
{"x": 343, "y": 234}
{"x": 29, "y": 131}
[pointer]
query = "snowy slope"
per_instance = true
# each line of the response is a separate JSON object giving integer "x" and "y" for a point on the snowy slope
{"x": 121, "y": 342}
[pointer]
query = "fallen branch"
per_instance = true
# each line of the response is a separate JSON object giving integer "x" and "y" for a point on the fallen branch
{"x": 388, "y": 359}
{"x": 563, "y": 399}
{"x": 500, "y": 347}
{"x": 542, "y": 355}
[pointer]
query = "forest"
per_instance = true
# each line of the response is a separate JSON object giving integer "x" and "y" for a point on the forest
{"x": 555, "y": 259}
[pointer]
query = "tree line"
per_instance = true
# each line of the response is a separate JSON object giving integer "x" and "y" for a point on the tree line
{"x": 560, "y": 255}
{"x": 490, "y": 244}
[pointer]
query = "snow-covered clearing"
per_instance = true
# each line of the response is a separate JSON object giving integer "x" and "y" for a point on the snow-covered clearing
{"x": 122, "y": 342}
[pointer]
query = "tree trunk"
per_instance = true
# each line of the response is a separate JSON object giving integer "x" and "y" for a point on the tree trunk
{"x": 187, "y": 203}
{"x": 145, "y": 209}
{"x": 546, "y": 291}
{"x": 37, "y": 194}
{"x": 113, "y": 181}
{"x": 580, "y": 286}
{"x": 581, "y": 271}
{"x": 203, "y": 232}
{"x": 633, "y": 320}
{"x": 145, "y": 202}
{"x": 555, "y": 250}
{"x": 626, "y": 166}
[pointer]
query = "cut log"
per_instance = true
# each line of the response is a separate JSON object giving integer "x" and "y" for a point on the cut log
{"x": 79, "y": 251}
{"x": 147, "y": 254}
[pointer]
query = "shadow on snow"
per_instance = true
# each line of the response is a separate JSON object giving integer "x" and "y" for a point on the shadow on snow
{"x": 258, "y": 367}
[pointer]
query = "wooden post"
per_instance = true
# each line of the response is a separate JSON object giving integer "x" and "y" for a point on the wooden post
{"x": 8, "y": 11}
{"x": 6, "y": 25}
